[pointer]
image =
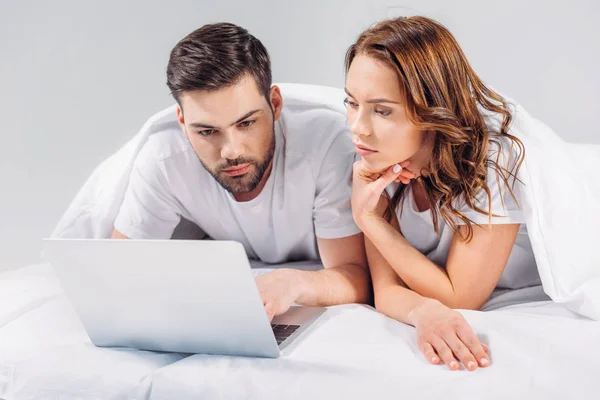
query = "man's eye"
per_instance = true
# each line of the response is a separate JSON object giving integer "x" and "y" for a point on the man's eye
{"x": 348, "y": 102}
{"x": 207, "y": 132}
{"x": 246, "y": 124}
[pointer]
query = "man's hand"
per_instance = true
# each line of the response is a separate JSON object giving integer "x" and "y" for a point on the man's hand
{"x": 278, "y": 289}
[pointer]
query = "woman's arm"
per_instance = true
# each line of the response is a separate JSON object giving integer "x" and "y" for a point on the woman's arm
{"x": 472, "y": 269}
{"x": 442, "y": 333}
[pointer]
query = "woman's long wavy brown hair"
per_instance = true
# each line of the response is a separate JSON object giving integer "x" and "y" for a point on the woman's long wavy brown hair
{"x": 443, "y": 95}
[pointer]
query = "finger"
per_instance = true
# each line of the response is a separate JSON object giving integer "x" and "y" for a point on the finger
{"x": 407, "y": 174}
{"x": 388, "y": 177}
{"x": 405, "y": 163}
{"x": 479, "y": 350}
{"x": 403, "y": 180}
{"x": 429, "y": 353}
{"x": 461, "y": 351}
{"x": 442, "y": 349}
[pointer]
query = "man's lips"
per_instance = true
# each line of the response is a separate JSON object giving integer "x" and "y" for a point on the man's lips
{"x": 237, "y": 170}
{"x": 364, "y": 151}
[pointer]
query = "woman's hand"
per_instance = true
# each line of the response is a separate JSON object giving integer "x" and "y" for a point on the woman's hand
{"x": 367, "y": 187}
{"x": 444, "y": 335}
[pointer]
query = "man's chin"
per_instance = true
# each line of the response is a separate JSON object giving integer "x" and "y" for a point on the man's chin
{"x": 238, "y": 184}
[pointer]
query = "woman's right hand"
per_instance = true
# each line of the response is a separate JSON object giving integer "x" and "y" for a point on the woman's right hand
{"x": 444, "y": 335}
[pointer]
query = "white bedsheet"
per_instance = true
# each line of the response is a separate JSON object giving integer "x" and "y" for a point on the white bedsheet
{"x": 539, "y": 350}
{"x": 46, "y": 354}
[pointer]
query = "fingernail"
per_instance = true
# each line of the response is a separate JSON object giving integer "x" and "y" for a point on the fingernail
{"x": 471, "y": 364}
{"x": 434, "y": 359}
{"x": 453, "y": 364}
{"x": 397, "y": 168}
{"x": 484, "y": 361}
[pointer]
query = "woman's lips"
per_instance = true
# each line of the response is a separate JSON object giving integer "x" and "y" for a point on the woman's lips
{"x": 364, "y": 151}
{"x": 237, "y": 170}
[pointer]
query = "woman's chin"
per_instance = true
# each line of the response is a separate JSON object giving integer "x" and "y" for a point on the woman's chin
{"x": 379, "y": 166}
{"x": 374, "y": 165}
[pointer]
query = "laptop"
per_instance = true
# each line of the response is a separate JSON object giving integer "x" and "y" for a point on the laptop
{"x": 186, "y": 296}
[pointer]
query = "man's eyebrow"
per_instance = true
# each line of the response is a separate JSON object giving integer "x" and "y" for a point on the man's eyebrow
{"x": 378, "y": 100}
{"x": 201, "y": 125}
{"x": 247, "y": 115}
{"x": 206, "y": 126}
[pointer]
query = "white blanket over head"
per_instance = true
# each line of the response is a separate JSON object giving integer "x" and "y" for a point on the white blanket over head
{"x": 560, "y": 199}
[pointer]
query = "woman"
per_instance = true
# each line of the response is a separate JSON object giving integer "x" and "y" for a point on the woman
{"x": 435, "y": 191}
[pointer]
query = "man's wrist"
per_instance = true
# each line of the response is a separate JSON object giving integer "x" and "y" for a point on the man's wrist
{"x": 296, "y": 282}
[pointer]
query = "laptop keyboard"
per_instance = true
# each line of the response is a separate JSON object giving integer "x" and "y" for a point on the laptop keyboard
{"x": 282, "y": 332}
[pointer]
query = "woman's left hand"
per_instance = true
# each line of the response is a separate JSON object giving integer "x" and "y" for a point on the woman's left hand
{"x": 367, "y": 187}
{"x": 443, "y": 335}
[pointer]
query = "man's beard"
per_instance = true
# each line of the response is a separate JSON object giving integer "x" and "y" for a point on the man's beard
{"x": 250, "y": 180}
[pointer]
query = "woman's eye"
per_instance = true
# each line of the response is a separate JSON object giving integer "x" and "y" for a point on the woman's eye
{"x": 383, "y": 113}
{"x": 246, "y": 124}
{"x": 348, "y": 102}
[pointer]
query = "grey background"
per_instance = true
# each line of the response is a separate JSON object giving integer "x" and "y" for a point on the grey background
{"x": 78, "y": 78}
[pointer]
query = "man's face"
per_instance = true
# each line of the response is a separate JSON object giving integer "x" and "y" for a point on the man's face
{"x": 232, "y": 132}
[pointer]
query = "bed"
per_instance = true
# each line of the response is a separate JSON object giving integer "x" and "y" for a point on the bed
{"x": 539, "y": 348}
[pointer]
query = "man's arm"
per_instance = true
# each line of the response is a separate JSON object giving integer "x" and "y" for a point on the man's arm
{"x": 118, "y": 235}
{"x": 344, "y": 279}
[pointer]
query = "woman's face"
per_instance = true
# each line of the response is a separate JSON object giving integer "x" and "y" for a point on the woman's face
{"x": 381, "y": 131}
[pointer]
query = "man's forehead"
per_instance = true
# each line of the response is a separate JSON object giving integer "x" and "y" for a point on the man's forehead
{"x": 222, "y": 106}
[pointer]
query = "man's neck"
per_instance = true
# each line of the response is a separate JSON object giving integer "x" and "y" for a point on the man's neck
{"x": 251, "y": 195}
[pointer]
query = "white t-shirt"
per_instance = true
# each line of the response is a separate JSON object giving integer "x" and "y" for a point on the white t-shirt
{"x": 307, "y": 194}
{"x": 417, "y": 227}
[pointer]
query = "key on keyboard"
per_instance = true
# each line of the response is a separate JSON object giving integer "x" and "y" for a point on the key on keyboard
{"x": 282, "y": 332}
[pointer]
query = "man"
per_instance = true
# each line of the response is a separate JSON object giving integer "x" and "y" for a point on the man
{"x": 245, "y": 166}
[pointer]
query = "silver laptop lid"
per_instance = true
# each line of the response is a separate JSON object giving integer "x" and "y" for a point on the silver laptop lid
{"x": 171, "y": 295}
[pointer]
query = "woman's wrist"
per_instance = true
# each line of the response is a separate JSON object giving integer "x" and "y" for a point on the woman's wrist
{"x": 420, "y": 308}
{"x": 368, "y": 222}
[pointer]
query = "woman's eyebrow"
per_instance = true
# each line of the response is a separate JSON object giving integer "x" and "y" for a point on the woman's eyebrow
{"x": 377, "y": 100}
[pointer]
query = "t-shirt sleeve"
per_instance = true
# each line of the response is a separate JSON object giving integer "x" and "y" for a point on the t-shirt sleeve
{"x": 504, "y": 208}
{"x": 149, "y": 209}
{"x": 332, "y": 212}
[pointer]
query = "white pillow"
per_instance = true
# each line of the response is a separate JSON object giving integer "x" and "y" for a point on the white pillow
{"x": 560, "y": 200}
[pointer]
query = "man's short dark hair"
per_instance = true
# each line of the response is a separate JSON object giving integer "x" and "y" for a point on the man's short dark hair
{"x": 217, "y": 56}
